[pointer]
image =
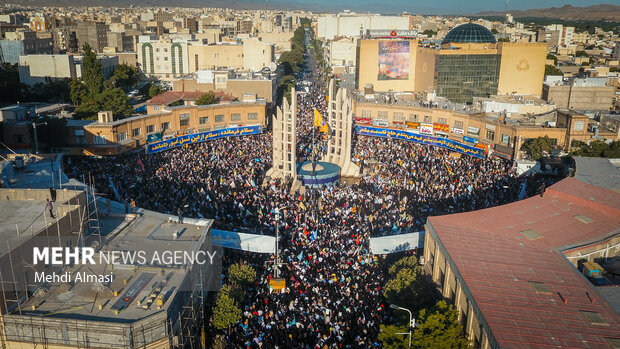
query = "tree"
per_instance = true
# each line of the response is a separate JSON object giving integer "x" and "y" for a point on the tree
{"x": 494, "y": 31}
{"x": 78, "y": 92}
{"x": 439, "y": 328}
{"x": 124, "y": 76}
{"x": 241, "y": 275}
{"x": 429, "y": 32}
{"x": 54, "y": 134}
{"x": 503, "y": 40}
{"x": 555, "y": 59}
{"x": 535, "y": 147}
{"x": 581, "y": 54}
{"x": 115, "y": 100}
{"x": 207, "y": 98}
{"x": 87, "y": 110}
{"x": 552, "y": 70}
{"x": 408, "y": 286}
{"x": 390, "y": 339}
{"x": 153, "y": 90}
{"x": 92, "y": 72}
{"x": 226, "y": 311}
{"x": 284, "y": 88}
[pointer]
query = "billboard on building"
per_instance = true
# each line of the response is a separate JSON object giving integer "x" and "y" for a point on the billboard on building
{"x": 393, "y": 60}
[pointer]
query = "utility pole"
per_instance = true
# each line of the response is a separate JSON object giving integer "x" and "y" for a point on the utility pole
{"x": 36, "y": 140}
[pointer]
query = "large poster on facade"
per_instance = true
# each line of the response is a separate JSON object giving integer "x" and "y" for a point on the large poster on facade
{"x": 393, "y": 60}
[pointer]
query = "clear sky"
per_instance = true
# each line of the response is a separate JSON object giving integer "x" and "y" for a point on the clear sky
{"x": 449, "y": 6}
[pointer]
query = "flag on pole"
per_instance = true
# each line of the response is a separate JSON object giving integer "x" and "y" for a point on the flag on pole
{"x": 447, "y": 163}
{"x": 320, "y": 122}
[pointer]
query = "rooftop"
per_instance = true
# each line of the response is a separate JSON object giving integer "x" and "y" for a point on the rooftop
{"x": 599, "y": 172}
{"x": 502, "y": 253}
{"x": 169, "y": 97}
{"x": 469, "y": 33}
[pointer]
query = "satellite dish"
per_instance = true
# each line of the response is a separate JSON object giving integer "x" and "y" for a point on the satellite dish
{"x": 273, "y": 66}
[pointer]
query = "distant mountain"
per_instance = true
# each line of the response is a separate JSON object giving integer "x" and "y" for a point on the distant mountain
{"x": 602, "y": 12}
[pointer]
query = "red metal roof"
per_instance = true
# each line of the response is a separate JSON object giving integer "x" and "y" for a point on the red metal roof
{"x": 497, "y": 263}
{"x": 169, "y": 97}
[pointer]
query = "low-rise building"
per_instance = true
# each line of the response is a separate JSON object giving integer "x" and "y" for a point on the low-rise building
{"x": 237, "y": 84}
{"x": 580, "y": 93}
{"x": 42, "y": 68}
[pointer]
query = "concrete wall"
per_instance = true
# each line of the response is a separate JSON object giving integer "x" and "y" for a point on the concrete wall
{"x": 581, "y": 98}
{"x": 37, "y": 68}
{"x": 522, "y": 68}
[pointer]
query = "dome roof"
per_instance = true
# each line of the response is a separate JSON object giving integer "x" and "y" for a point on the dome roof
{"x": 469, "y": 32}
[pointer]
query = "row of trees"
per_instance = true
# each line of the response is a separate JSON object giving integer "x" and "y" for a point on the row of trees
{"x": 291, "y": 62}
{"x": 437, "y": 324}
{"x": 539, "y": 147}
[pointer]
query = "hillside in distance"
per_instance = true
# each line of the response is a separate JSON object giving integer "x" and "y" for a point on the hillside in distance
{"x": 602, "y": 12}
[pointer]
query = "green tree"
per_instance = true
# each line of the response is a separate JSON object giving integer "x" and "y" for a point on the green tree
{"x": 552, "y": 70}
{"x": 92, "y": 72}
{"x": 115, "y": 100}
{"x": 207, "y": 98}
{"x": 535, "y": 147}
{"x": 390, "y": 339}
{"x": 613, "y": 151}
{"x": 581, "y": 54}
{"x": 596, "y": 148}
{"x": 503, "y": 40}
{"x": 494, "y": 31}
{"x": 284, "y": 88}
{"x": 241, "y": 274}
{"x": 226, "y": 311}
{"x": 408, "y": 287}
{"x": 555, "y": 59}
{"x": 78, "y": 92}
{"x": 439, "y": 328}
{"x": 124, "y": 76}
{"x": 154, "y": 90}
{"x": 54, "y": 134}
{"x": 88, "y": 109}
{"x": 429, "y": 32}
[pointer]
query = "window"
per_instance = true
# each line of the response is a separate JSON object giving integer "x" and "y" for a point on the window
{"x": 579, "y": 125}
{"x": 428, "y": 118}
{"x": 217, "y": 55}
{"x": 219, "y": 118}
{"x": 122, "y": 136}
{"x": 165, "y": 126}
{"x": 383, "y": 114}
{"x": 553, "y": 141}
{"x": 413, "y": 117}
{"x": 490, "y": 135}
{"x": 220, "y": 80}
{"x": 366, "y": 113}
{"x": 458, "y": 124}
{"x": 184, "y": 119}
{"x": 150, "y": 128}
{"x": 505, "y": 138}
{"x": 443, "y": 121}
{"x": 398, "y": 116}
{"x": 204, "y": 120}
{"x": 99, "y": 139}
{"x": 135, "y": 132}
{"x": 156, "y": 107}
{"x": 235, "y": 117}
{"x": 252, "y": 116}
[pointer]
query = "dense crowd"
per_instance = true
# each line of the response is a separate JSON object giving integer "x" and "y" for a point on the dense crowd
{"x": 334, "y": 283}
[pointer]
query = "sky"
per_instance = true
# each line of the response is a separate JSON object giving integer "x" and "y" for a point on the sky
{"x": 449, "y": 6}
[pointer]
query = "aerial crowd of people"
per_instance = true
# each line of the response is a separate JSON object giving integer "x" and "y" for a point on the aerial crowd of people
{"x": 334, "y": 284}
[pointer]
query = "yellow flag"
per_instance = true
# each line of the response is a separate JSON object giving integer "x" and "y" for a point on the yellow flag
{"x": 319, "y": 122}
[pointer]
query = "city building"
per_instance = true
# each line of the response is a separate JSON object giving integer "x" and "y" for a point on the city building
{"x": 471, "y": 63}
{"x": 107, "y": 136}
{"x": 514, "y": 272}
{"x": 342, "y": 55}
{"x": 154, "y": 305}
{"x": 559, "y": 35}
{"x": 591, "y": 93}
{"x": 40, "y": 23}
{"x": 94, "y": 34}
{"x": 42, "y": 68}
{"x": 250, "y": 55}
{"x": 350, "y": 24}
{"x": 237, "y": 84}
{"x": 163, "y": 58}
{"x": 20, "y": 43}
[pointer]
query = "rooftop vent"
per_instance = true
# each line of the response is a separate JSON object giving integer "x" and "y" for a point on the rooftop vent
{"x": 583, "y": 219}
{"x": 540, "y": 287}
{"x": 530, "y": 234}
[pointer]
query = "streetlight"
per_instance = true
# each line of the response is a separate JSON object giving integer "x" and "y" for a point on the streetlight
{"x": 36, "y": 140}
{"x": 411, "y": 320}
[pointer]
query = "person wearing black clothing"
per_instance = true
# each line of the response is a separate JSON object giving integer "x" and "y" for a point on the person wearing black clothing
{"x": 53, "y": 194}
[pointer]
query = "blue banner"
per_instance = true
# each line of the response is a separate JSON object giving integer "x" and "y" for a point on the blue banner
{"x": 201, "y": 137}
{"x": 423, "y": 139}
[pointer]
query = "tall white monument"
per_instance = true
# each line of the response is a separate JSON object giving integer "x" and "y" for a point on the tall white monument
{"x": 340, "y": 118}
{"x": 285, "y": 140}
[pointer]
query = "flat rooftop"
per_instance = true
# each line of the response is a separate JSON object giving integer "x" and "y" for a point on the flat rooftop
{"x": 26, "y": 215}
{"x": 137, "y": 286}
